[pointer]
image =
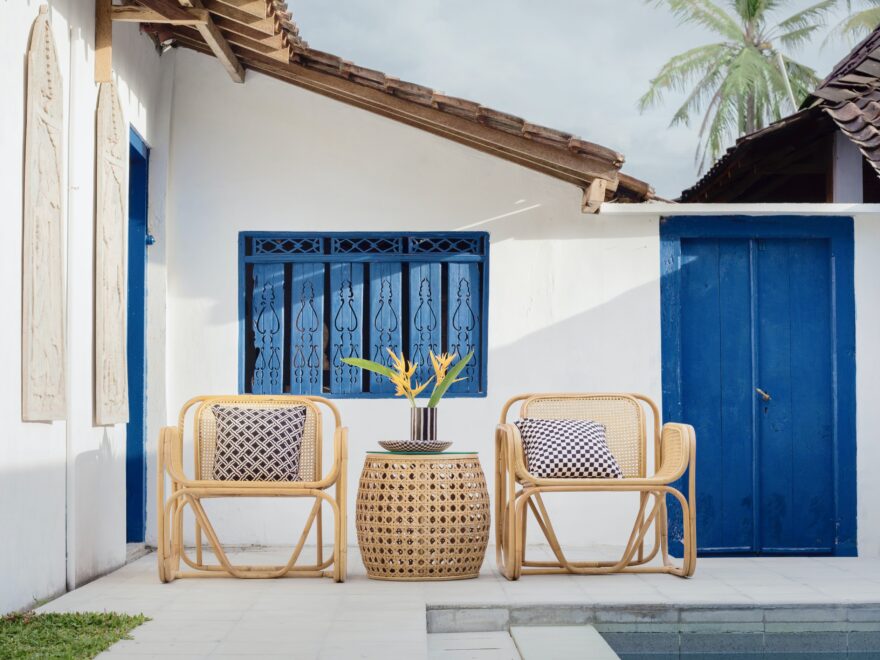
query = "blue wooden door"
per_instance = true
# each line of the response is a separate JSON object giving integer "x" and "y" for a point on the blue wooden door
{"x": 758, "y": 356}
{"x": 138, "y": 239}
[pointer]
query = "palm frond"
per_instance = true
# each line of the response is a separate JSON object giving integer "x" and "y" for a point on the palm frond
{"x": 705, "y": 89}
{"x": 680, "y": 70}
{"x": 857, "y": 25}
{"x": 797, "y": 38}
{"x": 705, "y": 13}
{"x": 814, "y": 16}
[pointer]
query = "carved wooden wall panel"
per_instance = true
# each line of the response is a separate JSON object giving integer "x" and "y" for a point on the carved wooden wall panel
{"x": 111, "y": 212}
{"x": 43, "y": 363}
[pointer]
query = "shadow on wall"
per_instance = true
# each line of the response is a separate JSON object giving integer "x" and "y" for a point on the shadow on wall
{"x": 614, "y": 346}
{"x": 99, "y": 513}
{"x": 538, "y": 219}
{"x": 33, "y": 517}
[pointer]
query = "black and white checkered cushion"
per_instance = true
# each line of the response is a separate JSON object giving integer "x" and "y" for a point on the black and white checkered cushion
{"x": 258, "y": 444}
{"x": 567, "y": 449}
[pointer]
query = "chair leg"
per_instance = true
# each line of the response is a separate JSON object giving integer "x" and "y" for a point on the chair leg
{"x": 340, "y": 529}
{"x": 629, "y": 561}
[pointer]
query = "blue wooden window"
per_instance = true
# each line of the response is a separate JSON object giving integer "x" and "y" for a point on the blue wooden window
{"x": 308, "y": 300}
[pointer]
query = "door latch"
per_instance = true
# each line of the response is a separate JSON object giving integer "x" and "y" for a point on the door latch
{"x": 763, "y": 394}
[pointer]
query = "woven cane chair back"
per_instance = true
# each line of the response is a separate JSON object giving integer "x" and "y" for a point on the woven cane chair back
{"x": 206, "y": 432}
{"x": 623, "y": 417}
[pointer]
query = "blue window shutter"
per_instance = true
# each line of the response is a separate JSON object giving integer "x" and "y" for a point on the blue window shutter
{"x": 385, "y": 318}
{"x": 307, "y": 328}
{"x": 346, "y": 326}
{"x": 267, "y": 313}
{"x": 425, "y": 316}
{"x": 464, "y": 310}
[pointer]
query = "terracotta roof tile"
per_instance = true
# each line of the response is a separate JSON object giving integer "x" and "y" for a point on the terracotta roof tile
{"x": 850, "y": 96}
{"x": 574, "y": 154}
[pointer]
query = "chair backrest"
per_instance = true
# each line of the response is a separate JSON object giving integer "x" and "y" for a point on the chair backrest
{"x": 205, "y": 430}
{"x": 623, "y": 416}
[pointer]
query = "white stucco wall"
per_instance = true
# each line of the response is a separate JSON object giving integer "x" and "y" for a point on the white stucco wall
{"x": 574, "y": 301}
{"x": 62, "y": 485}
{"x": 867, "y": 280}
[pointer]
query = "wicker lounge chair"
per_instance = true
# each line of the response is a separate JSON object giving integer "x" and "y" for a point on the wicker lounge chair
{"x": 185, "y": 492}
{"x": 623, "y": 415}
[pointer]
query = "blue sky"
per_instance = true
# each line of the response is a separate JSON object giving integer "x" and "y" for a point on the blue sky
{"x": 575, "y": 65}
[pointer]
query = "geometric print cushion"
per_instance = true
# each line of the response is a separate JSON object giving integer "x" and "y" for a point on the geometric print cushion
{"x": 258, "y": 444}
{"x": 567, "y": 449}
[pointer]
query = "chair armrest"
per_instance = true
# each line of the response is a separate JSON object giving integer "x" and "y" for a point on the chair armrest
{"x": 340, "y": 455}
{"x": 509, "y": 441}
{"x": 677, "y": 451}
{"x": 170, "y": 451}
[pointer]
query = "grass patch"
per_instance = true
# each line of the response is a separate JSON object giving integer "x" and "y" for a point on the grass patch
{"x": 75, "y": 635}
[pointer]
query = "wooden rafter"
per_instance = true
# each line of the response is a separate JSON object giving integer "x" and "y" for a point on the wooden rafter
{"x": 135, "y": 14}
{"x": 264, "y": 24}
{"x": 103, "y": 42}
{"x": 192, "y": 13}
{"x": 256, "y": 7}
{"x": 594, "y": 195}
{"x": 169, "y": 9}
{"x": 218, "y": 44}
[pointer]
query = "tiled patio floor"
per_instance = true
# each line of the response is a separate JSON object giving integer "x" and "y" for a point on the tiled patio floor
{"x": 315, "y": 618}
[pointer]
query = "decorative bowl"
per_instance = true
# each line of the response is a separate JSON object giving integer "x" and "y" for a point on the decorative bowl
{"x": 415, "y": 446}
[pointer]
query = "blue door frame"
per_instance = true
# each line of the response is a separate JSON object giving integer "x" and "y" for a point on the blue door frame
{"x": 135, "y": 461}
{"x": 838, "y": 235}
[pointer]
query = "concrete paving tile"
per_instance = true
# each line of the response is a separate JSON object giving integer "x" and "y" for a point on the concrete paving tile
{"x": 299, "y": 649}
{"x": 561, "y": 643}
{"x": 474, "y": 620}
{"x": 564, "y": 615}
{"x": 361, "y": 615}
{"x": 637, "y": 614}
{"x": 159, "y": 632}
{"x": 134, "y": 647}
{"x": 382, "y": 651}
{"x": 107, "y": 655}
{"x": 722, "y": 614}
{"x": 830, "y": 613}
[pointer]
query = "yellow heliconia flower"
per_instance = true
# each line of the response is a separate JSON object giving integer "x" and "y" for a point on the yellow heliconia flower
{"x": 399, "y": 363}
{"x": 441, "y": 364}
{"x": 403, "y": 371}
{"x": 419, "y": 389}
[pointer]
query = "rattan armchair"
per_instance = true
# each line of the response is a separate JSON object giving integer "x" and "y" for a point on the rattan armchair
{"x": 185, "y": 492}
{"x": 517, "y": 491}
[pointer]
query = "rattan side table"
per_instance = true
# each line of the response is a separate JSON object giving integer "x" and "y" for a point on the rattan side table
{"x": 422, "y": 516}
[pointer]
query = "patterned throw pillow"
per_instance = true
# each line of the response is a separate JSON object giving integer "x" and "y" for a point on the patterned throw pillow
{"x": 258, "y": 444}
{"x": 567, "y": 449}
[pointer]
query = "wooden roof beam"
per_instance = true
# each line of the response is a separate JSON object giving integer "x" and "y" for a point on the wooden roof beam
{"x": 594, "y": 195}
{"x": 218, "y": 44}
{"x": 257, "y": 8}
{"x": 136, "y": 14}
{"x": 264, "y": 24}
{"x": 167, "y": 9}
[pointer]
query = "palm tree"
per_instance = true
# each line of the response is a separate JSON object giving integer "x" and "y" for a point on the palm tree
{"x": 744, "y": 81}
{"x": 858, "y": 23}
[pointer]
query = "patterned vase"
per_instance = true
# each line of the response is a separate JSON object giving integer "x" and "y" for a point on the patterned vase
{"x": 423, "y": 424}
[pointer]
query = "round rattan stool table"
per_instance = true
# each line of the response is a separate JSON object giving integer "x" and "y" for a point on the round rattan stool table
{"x": 422, "y": 516}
